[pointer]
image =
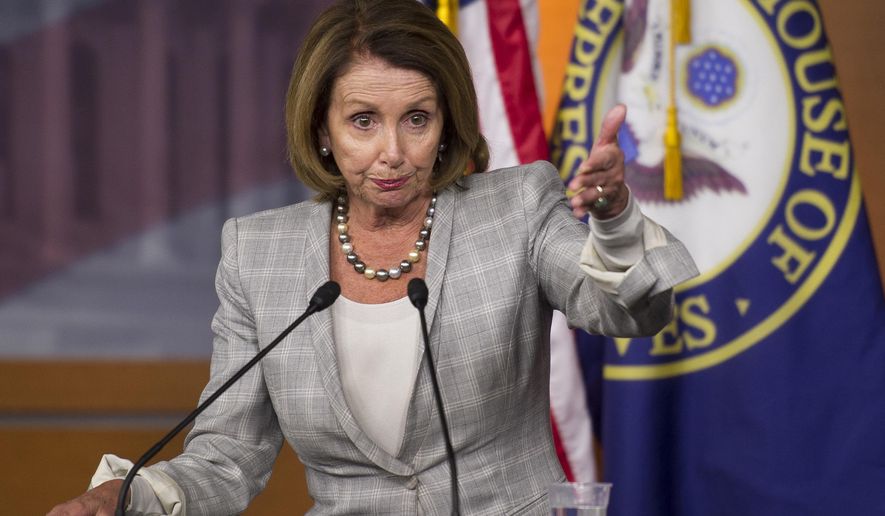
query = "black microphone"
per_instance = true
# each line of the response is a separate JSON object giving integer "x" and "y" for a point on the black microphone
{"x": 418, "y": 293}
{"x": 417, "y": 290}
{"x": 322, "y": 299}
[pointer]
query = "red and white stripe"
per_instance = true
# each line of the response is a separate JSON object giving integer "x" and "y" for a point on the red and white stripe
{"x": 500, "y": 37}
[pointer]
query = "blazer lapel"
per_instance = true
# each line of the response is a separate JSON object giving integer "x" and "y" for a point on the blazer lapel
{"x": 438, "y": 253}
{"x": 421, "y": 408}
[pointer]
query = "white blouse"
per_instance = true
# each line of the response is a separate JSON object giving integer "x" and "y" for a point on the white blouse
{"x": 378, "y": 350}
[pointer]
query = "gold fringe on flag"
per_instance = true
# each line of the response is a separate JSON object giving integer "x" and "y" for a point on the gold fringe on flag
{"x": 447, "y": 12}
{"x": 680, "y": 34}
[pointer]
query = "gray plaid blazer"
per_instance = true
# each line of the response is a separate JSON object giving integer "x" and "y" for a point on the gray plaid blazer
{"x": 503, "y": 254}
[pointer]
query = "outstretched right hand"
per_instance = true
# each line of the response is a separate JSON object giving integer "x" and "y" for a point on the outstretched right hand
{"x": 99, "y": 501}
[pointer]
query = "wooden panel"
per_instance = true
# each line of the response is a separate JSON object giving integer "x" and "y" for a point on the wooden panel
{"x": 62, "y": 459}
{"x": 44, "y": 467}
{"x": 857, "y": 40}
{"x": 61, "y": 462}
{"x": 92, "y": 387}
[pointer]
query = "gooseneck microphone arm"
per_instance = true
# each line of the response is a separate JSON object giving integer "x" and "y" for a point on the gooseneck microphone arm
{"x": 322, "y": 299}
{"x": 417, "y": 290}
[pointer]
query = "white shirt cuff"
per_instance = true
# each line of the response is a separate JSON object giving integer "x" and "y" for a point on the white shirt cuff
{"x": 615, "y": 245}
{"x": 153, "y": 493}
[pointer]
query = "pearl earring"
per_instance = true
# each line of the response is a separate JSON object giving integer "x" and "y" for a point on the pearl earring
{"x": 439, "y": 155}
{"x": 324, "y": 151}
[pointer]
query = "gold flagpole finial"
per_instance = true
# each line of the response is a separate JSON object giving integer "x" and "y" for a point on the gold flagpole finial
{"x": 447, "y": 12}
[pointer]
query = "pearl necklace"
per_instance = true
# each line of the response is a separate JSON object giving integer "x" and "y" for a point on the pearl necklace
{"x": 404, "y": 266}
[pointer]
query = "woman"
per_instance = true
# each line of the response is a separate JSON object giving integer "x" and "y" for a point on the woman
{"x": 383, "y": 123}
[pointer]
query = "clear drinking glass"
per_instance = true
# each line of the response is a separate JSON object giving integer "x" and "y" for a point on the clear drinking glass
{"x": 579, "y": 498}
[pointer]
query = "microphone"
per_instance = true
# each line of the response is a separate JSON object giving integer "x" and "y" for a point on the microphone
{"x": 322, "y": 299}
{"x": 417, "y": 291}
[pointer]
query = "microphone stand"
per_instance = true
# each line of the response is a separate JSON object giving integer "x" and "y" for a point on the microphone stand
{"x": 417, "y": 290}
{"x": 322, "y": 299}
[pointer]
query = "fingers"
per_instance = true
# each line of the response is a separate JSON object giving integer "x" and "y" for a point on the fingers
{"x": 599, "y": 200}
{"x": 99, "y": 501}
{"x": 600, "y": 160}
{"x": 602, "y": 167}
{"x": 73, "y": 508}
{"x": 605, "y": 154}
{"x": 598, "y": 186}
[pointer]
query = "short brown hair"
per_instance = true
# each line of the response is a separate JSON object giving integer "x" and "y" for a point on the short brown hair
{"x": 405, "y": 34}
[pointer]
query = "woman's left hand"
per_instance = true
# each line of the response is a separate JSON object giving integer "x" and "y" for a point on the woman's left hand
{"x": 599, "y": 182}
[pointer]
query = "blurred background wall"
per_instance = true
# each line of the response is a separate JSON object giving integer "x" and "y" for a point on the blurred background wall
{"x": 129, "y": 131}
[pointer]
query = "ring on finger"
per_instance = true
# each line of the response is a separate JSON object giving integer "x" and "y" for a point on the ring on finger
{"x": 601, "y": 202}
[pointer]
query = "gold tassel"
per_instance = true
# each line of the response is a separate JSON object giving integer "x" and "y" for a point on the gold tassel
{"x": 672, "y": 158}
{"x": 447, "y": 12}
{"x": 681, "y": 20}
{"x": 680, "y": 33}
